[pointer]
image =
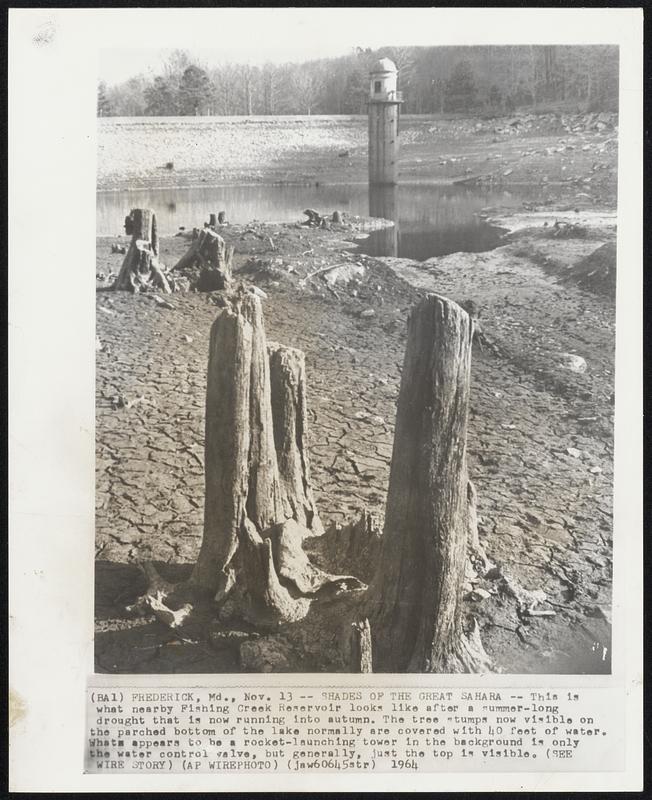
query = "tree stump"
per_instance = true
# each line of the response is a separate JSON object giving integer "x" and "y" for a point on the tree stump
{"x": 258, "y": 501}
{"x": 214, "y": 220}
{"x": 141, "y": 268}
{"x": 414, "y": 602}
{"x": 287, "y": 367}
{"x": 314, "y": 218}
{"x": 360, "y": 647}
{"x": 209, "y": 254}
{"x": 352, "y": 546}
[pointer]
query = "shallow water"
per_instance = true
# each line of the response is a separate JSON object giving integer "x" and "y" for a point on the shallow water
{"x": 431, "y": 219}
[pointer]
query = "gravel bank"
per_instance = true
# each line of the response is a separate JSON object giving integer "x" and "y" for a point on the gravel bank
{"x": 571, "y": 152}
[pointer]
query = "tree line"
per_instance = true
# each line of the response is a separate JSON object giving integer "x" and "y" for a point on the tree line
{"x": 481, "y": 79}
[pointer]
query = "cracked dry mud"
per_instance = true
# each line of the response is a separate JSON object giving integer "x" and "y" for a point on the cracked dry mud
{"x": 540, "y": 436}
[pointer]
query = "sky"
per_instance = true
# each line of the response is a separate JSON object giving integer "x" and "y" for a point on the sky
{"x": 119, "y": 65}
{"x": 253, "y": 36}
{"x": 258, "y": 35}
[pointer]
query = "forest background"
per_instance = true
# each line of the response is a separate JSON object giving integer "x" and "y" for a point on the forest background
{"x": 489, "y": 80}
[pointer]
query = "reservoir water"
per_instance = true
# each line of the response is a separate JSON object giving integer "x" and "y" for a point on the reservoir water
{"x": 431, "y": 220}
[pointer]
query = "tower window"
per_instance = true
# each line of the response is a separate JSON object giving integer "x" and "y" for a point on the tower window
{"x": 377, "y": 85}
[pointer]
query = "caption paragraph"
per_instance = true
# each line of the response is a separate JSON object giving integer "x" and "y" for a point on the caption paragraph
{"x": 279, "y": 729}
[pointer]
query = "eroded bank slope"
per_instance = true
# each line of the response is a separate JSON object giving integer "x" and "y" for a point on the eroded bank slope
{"x": 574, "y": 152}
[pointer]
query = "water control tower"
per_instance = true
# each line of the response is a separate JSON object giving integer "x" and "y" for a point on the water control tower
{"x": 383, "y": 105}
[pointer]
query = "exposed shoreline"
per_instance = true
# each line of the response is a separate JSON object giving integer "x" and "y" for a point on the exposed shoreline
{"x": 540, "y": 443}
{"x": 541, "y": 469}
{"x": 564, "y": 152}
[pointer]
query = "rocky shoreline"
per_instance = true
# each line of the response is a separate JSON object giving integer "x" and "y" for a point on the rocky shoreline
{"x": 567, "y": 153}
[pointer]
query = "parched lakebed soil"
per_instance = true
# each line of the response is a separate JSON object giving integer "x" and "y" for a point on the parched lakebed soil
{"x": 540, "y": 432}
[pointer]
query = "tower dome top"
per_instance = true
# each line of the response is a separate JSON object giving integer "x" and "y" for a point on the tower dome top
{"x": 383, "y": 65}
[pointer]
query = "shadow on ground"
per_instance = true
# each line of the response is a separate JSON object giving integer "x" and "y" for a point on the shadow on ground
{"x": 144, "y": 645}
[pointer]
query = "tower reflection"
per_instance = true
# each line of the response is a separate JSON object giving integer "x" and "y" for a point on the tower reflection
{"x": 383, "y": 203}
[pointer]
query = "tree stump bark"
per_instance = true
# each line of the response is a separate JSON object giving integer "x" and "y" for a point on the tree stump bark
{"x": 211, "y": 256}
{"x": 476, "y": 552}
{"x": 258, "y": 501}
{"x": 226, "y": 457}
{"x": 414, "y": 601}
{"x": 264, "y": 601}
{"x": 141, "y": 268}
{"x": 290, "y": 422}
{"x": 360, "y": 647}
{"x": 353, "y": 546}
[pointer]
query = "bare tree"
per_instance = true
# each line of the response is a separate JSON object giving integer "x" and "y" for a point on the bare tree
{"x": 306, "y": 87}
{"x": 271, "y": 88}
{"x": 226, "y": 89}
{"x": 521, "y": 75}
{"x": 247, "y": 76}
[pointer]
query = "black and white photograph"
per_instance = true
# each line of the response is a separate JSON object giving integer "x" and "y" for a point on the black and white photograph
{"x": 355, "y": 360}
{"x": 325, "y": 399}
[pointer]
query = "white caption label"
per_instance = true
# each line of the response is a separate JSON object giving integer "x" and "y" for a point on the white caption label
{"x": 307, "y": 729}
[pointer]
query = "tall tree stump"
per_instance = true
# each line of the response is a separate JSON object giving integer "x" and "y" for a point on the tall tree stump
{"x": 141, "y": 268}
{"x": 258, "y": 499}
{"x": 211, "y": 256}
{"x": 414, "y": 602}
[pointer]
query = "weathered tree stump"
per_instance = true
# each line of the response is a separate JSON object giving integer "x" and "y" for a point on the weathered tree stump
{"x": 315, "y": 219}
{"x": 263, "y": 600}
{"x": 361, "y": 659}
{"x": 353, "y": 546}
{"x": 414, "y": 602}
{"x": 210, "y": 254}
{"x": 287, "y": 369}
{"x": 258, "y": 501}
{"x": 259, "y": 506}
{"x": 214, "y": 220}
{"x": 141, "y": 268}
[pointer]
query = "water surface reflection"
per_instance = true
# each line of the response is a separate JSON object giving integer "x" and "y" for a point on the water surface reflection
{"x": 383, "y": 203}
{"x": 431, "y": 220}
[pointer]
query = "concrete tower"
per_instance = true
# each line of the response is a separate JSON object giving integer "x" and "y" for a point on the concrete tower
{"x": 383, "y": 203}
{"x": 383, "y": 105}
